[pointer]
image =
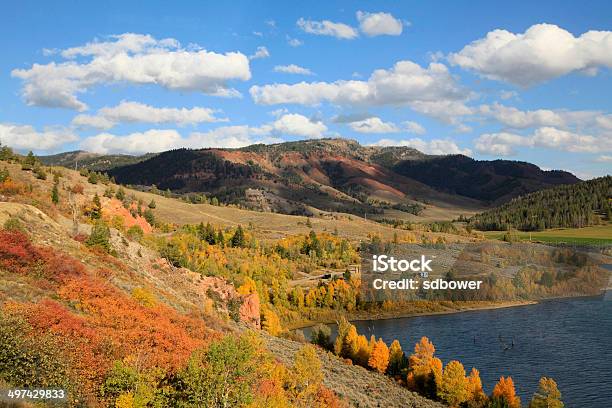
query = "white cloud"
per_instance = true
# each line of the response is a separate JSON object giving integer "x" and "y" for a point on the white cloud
{"x": 544, "y": 137}
{"x": 91, "y": 121}
{"x": 159, "y": 140}
{"x": 500, "y": 144}
{"x": 326, "y": 27}
{"x": 434, "y": 146}
{"x": 543, "y": 52}
{"x": 294, "y": 42}
{"x": 231, "y": 137}
{"x": 505, "y": 95}
{"x": 413, "y": 127}
{"x": 431, "y": 90}
{"x": 373, "y": 125}
{"x": 293, "y": 69}
{"x": 373, "y": 24}
{"x": 604, "y": 159}
{"x": 604, "y": 121}
{"x": 151, "y": 141}
{"x": 515, "y": 118}
{"x": 132, "y": 112}
{"x": 135, "y": 59}
{"x": 25, "y": 137}
{"x": 261, "y": 52}
{"x": 298, "y": 125}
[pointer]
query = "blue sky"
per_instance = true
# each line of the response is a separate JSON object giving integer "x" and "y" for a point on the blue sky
{"x": 513, "y": 80}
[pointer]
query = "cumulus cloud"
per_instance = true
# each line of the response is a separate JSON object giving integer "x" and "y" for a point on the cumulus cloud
{"x": 329, "y": 28}
{"x": 135, "y": 59}
{"x": 151, "y": 141}
{"x": 25, "y": 137}
{"x": 373, "y": 24}
{"x": 373, "y": 125}
{"x": 514, "y": 118}
{"x": 434, "y": 146}
{"x": 543, "y": 52}
{"x": 92, "y": 121}
{"x": 294, "y": 42}
{"x": 413, "y": 127}
{"x": 159, "y": 140}
{"x": 293, "y": 69}
{"x": 431, "y": 90}
{"x": 133, "y": 112}
{"x": 298, "y": 125}
{"x": 261, "y": 52}
{"x": 505, "y": 144}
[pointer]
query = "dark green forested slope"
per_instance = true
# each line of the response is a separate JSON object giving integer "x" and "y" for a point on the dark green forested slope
{"x": 569, "y": 206}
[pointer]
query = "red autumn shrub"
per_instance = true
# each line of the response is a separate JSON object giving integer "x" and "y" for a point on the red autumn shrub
{"x": 17, "y": 254}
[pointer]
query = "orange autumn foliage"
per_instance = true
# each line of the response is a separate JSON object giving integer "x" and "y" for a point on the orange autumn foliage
{"x": 379, "y": 357}
{"x": 425, "y": 370}
{"x": 94, "y": 321}
{"x": 114, "y": 207}
{"x": 504, "y": 391}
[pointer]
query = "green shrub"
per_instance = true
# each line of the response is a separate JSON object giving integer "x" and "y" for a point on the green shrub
{"x": 135, "y": 233}
{"x": 29, "y": 361}
{"x": 100, "y": 236}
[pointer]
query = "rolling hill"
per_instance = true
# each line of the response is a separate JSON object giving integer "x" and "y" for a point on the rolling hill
{"x": 494, "y": 182}
{"x": 571, "y": 206}
{"x": 91, "y": 161}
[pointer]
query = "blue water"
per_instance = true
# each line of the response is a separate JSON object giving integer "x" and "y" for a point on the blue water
{"x": 569, "y": 340}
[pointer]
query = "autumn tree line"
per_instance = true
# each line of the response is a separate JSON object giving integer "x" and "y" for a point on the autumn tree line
{"x": 568, "y": 206}
{"x": 425, "y": 374}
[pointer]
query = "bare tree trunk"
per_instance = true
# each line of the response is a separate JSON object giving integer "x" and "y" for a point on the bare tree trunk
{"x": 75, "y": 213}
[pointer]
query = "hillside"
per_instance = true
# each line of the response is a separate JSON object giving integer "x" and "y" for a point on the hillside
{"x": 341, "y": 175}
{"x": 292, "y": 178}
{"x": 92, "y": 161}
{"x": 495, "y": 181}
{"x": 573, "y": 206}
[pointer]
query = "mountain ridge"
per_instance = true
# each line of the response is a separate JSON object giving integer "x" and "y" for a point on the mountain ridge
{"x": 333, "y": 175}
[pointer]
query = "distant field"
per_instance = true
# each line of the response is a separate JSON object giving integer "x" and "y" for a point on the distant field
{"x": 598, "y": 235}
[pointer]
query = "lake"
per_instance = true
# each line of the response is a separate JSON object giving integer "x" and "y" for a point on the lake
{"x": 566, "y": 339}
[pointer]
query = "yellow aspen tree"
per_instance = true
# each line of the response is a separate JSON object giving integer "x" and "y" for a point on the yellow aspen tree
{"x": 364, "y": 351}
{"x": 547, "y": 395}
{"x": 454, "y": 386}
{"x": 270, "y": 321}
{"x": 397, "y": 359}
{"x": 350, "y": 345}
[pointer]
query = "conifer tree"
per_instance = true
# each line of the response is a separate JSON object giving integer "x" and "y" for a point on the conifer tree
{"x": 55, "y": 194}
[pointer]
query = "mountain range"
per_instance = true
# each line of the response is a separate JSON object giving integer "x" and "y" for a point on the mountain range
{"x": 333, "y": 175}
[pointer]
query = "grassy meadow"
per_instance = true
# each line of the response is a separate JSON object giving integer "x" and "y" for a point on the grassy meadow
{"x": 595, "y": 235}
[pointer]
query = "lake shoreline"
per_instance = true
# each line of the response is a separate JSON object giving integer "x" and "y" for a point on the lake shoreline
{"x": 401, "y": 315}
